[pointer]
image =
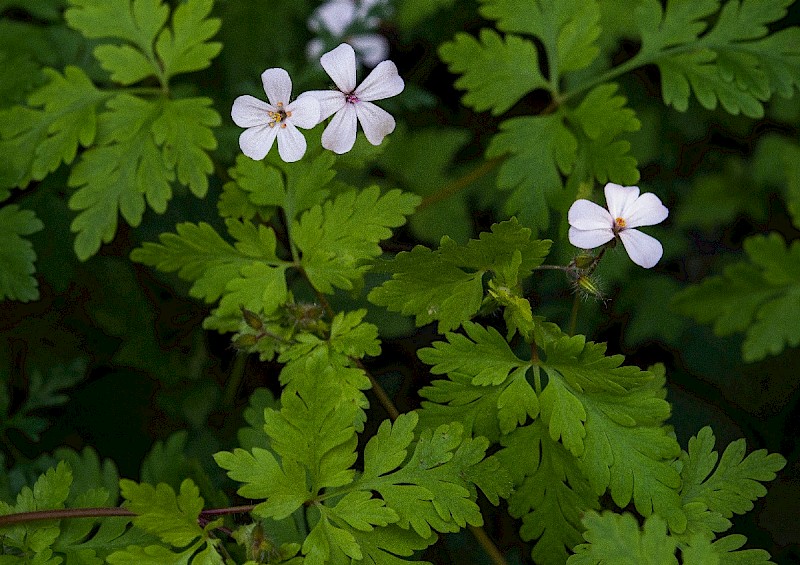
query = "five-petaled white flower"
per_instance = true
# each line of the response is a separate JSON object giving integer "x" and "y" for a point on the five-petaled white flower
{"x": 277, "y": 119}
{"x": 349, "y": 21}
{"x": 350, "y": 103}
{"x": 592, "y": 225}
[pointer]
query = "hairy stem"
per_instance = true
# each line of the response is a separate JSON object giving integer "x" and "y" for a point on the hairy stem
{"x": 103, "y": 512}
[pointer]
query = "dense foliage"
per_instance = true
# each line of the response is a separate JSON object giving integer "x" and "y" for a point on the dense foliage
{"x": 393, "y": 353}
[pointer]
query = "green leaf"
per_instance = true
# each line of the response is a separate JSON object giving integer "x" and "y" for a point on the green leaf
{"x": 149, "y": 47}
{"x": 760, "y": 296}
{"x": 431, "y": 288}
{"x": 362, "y": 512}
{"x": 262, "y": 183}
{"x": 733, "y": 63}
{"x": 496, "y": 74}
{"x": 344, "y": 383}
{"x": 539, "y": 149}
{"x": 484, "y": 355}
{"x": 616, "y": 538}
{"x": 283, "y": 489}
{"x": 629, "y": 451}
{"x": 550, "y": 492}
{"x": 50, "y": 491}
{"x": 160, "y": 511}
{"x": 184, "y": 135}
{"x": 603, "y": 117}
{"x": 447, "y": 284}
{"x": 495, "y": 250}
{"x": 17, "y": 255}
{"x": 60, "y": 117}
{"x": 136, "y": 21}
{"x": 353, "y": 337}
{"x": 185, "y": 48}
{"x": 315, "y": 429}
{"x": 247, "y": 274}
{"x": 612, "y": 419}
{"x": 338, "y": 239}
{"x": 433, "y": 489}
{"x": 727, "y": 548}
{"x": 728, "y": 489}
{"x": 567, "y": 28}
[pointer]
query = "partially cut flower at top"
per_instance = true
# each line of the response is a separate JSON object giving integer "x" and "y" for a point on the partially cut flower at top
{"x": 277, "y": 119}
{"x": 352, "y": 104}
{"x": 592, "y": 225}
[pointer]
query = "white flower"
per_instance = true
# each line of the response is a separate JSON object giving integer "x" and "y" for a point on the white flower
{"x": 340, "y": 18}
{"x": 592, "y": 225}
{"x": 278, "y": 118}
{"x": 351, "y": 104}
{"x": 334, "y": 16}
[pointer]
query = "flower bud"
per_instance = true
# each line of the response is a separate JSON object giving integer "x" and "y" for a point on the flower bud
{"x": 251, "y": 319}
{"x": 245, "y": 341}
{"x": 588, "y": 287}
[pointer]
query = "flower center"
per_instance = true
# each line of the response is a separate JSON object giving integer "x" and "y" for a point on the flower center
{"x": 351, "y": 98}
{"x": 619, "y": 224}
{"x": 279, "y": 116}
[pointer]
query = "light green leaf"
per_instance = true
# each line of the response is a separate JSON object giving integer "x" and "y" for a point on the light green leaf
{"x": 284, "y": 489}
{"x": 616, "y": 538}
{"x": 338, "y": 239}
{"x": 496, "y": 74}
{"x": 160, "y": 511}
{"x": 60, "y": 117}
{"x": 431, "y": 288}
{"x": 539, "y": 149}
{"x": 484, "y": 355}
{"x": 567, "y": 28}
{"x": 185, "y": 48}
{"x": 184, "y": 135}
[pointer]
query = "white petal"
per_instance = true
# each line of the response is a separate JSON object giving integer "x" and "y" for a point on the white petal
{"x": 257, "y": 141}
{"x": 340, "y": 135}
{"x": 340, "y": 64}
{"x": 330, "y": 101}
{"x": 382, "y": 82}
{"x": 314, "y": 49}
{"x": 619, "y": 198}
{"x": 372, "y": 48}
{"x": 647, "y": 210}
{"x": 643, "y": 249}
{"x": 277, "y": 85}
{"x": 589, "y": 239}
{"x": 586, "y": 215}
{"x": 291, "y": 143}
{"x": 334, "y": 16}
{"x": 376, "y": 122}
{"x": 248, "y": 111}
{"x": 305, "y": 112}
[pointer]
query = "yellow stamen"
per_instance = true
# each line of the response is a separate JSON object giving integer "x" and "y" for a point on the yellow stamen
{"x": 620, "y": 223}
